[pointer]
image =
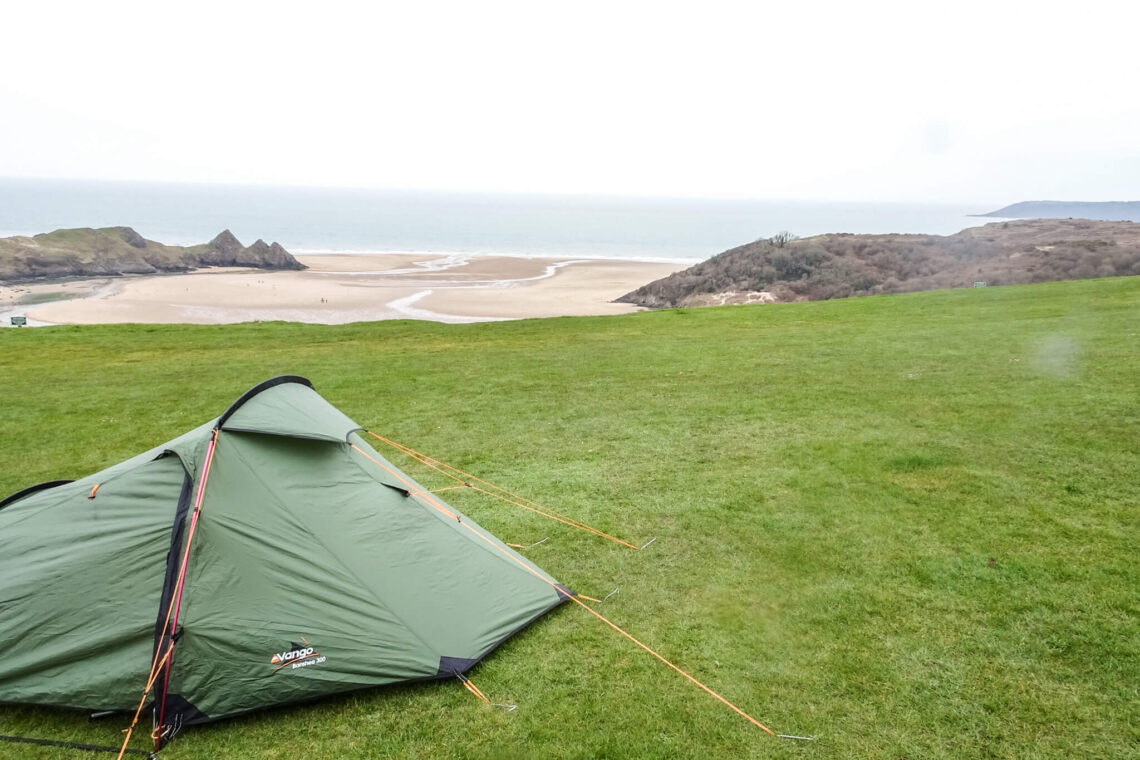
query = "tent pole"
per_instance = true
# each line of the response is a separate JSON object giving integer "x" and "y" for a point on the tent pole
{"x": 164, "y": 661}
{"x": 182, "y": 579}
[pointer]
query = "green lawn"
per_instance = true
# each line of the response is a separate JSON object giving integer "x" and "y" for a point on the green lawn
{"x": 907, "y": 526}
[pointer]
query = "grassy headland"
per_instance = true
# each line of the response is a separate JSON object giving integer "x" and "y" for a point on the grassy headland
{"x": 112, "y": 251}
{"x": 905, "y": 525}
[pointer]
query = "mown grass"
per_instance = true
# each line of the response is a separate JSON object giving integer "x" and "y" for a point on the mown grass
{"x": 906, "y": 526}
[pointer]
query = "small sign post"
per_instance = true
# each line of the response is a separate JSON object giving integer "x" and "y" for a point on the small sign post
{"x": 979, "y": 284}
{"x": 19, "y": 321}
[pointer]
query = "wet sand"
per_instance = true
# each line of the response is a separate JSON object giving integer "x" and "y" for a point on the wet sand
{"x": 341, "y": 288}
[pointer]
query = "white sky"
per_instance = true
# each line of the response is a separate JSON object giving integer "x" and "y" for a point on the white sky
{"x": 964, "y": 101}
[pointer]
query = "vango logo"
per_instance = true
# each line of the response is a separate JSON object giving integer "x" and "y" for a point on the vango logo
{"x": 296, "y": 656}
{"x": 292, "y": 654}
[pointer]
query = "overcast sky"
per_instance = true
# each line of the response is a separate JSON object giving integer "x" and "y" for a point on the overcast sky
{"x": 964, "y": 101}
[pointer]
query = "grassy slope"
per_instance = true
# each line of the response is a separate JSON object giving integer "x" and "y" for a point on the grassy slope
{"x": 905, "y": 525}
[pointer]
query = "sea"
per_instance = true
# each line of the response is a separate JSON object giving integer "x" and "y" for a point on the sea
{"x": 331, "y": 220}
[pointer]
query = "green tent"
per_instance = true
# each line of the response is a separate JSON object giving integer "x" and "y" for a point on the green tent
{"x": 267, "y": 557}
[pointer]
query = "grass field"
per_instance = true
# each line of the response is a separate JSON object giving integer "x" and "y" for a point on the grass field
{"x": 907, "y": 526}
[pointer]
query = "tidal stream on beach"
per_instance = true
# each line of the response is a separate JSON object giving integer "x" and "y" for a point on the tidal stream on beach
{"x": 340, "y": 288}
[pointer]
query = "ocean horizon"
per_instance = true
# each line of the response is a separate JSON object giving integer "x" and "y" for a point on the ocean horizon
{"x": 329, "y": 220}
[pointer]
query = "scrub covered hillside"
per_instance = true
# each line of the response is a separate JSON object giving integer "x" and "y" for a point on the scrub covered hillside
{"x": 904, "y": 525}
{"x": 784, "y": 268}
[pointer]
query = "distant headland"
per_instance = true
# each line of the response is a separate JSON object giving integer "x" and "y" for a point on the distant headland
{"x": 1105, "y": 211}
{"x": 113, "y": 251}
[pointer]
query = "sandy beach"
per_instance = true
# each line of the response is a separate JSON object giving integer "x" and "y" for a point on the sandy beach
{"x": 341, "y": 288}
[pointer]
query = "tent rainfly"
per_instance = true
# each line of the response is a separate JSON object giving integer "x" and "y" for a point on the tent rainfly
{"x": 317, "y": 567}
